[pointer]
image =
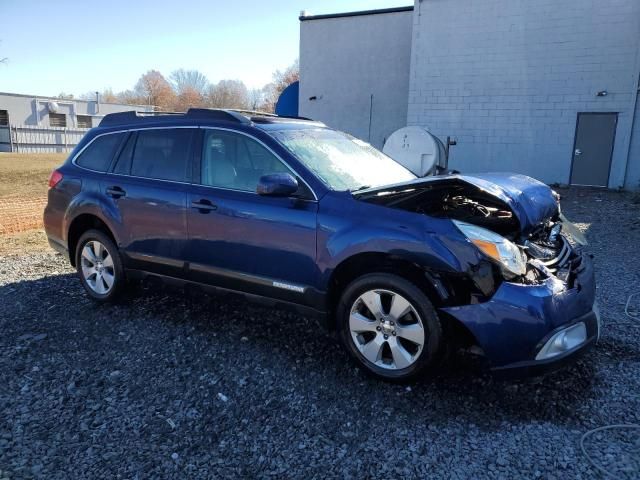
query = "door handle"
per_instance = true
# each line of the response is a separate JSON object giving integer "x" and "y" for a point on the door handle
{"x": 204, "y": 206}
{"x": 116, "y": 192}
{"x": 577, "y": 152}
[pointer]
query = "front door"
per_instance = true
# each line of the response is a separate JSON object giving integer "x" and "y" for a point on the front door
{"x": 595, "y": 133}
{"x": 244, "y": 241}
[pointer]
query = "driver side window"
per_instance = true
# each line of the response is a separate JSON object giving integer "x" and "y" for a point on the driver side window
{"x": 235, "y": 161}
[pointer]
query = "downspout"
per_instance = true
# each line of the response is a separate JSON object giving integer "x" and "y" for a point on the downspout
{"x": 97, "y": 103}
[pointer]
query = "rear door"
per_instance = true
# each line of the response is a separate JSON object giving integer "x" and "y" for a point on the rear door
{"x": 148, "y": 188}
{"x": 239, "y": 239}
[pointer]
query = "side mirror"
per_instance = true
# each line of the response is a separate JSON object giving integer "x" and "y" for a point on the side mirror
{"x": 277, "y": 185}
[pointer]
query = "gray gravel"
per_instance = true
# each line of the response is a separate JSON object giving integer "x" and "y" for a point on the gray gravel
{"x": 177, "y": 384}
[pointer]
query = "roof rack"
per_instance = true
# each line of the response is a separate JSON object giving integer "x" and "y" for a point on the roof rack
{"x": 252, "y": 113}
{"x": 132, "y": 116}
{"x": 218, "y": 114}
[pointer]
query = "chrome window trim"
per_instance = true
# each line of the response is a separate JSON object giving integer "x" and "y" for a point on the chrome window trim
{"x": 128, "y": 130}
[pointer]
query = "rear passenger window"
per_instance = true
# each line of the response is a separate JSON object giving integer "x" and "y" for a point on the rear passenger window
{"x": 97, "y": 156}
{"x": 162, "y": 154}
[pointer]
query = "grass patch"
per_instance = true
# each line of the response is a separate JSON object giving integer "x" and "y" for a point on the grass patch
{"x": 27, "y": 174}
{"x": 24, "y": 179}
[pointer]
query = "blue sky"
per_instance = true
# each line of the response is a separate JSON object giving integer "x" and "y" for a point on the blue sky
{"x": 77, "y": 46}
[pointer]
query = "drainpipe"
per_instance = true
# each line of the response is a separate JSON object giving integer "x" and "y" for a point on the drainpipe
{"x": 97, "y": 102}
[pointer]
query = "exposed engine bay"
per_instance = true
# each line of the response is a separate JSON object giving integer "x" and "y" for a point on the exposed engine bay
{"x": 547, "y": 249}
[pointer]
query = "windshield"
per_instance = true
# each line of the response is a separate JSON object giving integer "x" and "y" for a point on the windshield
{"x": 342, "y": 161}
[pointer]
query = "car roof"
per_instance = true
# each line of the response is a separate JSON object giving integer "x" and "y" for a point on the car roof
{"x": 205, "y": 116}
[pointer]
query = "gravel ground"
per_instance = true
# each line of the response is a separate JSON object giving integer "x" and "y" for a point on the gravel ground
{"x": 176, "y": 384}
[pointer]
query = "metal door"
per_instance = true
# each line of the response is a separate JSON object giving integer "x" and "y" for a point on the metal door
{"x": 593, "y": 148}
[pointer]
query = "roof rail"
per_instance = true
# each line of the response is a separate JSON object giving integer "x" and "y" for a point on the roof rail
{"x": 252, "y": 113}
{"x": 217, "y": 114}
{"x": 132, "y": 116}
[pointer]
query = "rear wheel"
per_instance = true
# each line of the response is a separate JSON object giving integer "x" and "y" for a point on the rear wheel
{"x": 99, "y": 266}
{"x": 389, "y": 326}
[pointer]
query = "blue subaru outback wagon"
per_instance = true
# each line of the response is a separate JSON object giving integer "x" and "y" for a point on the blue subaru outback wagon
{"x": 290, "y": 212}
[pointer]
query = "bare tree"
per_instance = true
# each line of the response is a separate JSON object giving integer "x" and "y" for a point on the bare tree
{"x": 106, "y": 96}
{"x": 193, "y": 80}
{"x": 281, "y": 80}
{"x": 255, "y": 98}
{"x": 155, "y": 90}
{"x": 131, "y": 97}
{"x": 228, "y": 94}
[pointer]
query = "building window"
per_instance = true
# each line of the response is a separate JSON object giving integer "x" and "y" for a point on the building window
{"x": 57, "y": 120}
{"x": 4, "y": 118}
{"x": 84, "y": 121}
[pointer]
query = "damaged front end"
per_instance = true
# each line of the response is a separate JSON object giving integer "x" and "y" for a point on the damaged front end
{"x": 542, "y": 311}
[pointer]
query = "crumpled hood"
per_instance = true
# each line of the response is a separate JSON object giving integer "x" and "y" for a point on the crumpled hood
{"x": 531, "y": 201}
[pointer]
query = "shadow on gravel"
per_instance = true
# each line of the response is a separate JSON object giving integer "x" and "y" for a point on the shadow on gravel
{"x": 52, "y": 316}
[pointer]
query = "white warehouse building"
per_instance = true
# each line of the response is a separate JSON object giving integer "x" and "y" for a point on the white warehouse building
{"x": 540, "y": 87}
{"x": 33, "y": 123}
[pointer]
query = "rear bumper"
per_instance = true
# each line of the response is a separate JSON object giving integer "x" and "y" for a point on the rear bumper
{"x": 514, "y": 325}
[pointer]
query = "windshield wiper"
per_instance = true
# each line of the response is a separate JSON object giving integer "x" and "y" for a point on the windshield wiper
{"x": 363, "y": 187}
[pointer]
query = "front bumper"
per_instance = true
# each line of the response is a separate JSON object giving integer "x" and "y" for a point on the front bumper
{"x": 513, "y": 326}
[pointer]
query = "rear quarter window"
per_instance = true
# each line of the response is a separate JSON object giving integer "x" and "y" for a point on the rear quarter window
{"x": 97, "y": 156}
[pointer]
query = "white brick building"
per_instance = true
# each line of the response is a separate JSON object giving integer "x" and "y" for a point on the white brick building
{"x": 541, "y": 87}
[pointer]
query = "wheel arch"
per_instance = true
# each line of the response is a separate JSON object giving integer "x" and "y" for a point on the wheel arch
{"x": 440, "y": 289}
{"x": 80, "y": 224}
{"x": 379, "y": 262}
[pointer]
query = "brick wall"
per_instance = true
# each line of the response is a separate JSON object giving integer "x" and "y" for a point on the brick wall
{"x": 508, "y": 77}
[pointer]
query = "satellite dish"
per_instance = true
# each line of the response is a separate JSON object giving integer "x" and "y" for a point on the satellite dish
{"x": 416, "y": 149}
{"x": 53, "y": 107}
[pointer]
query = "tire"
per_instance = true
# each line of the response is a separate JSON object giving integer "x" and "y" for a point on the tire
{"x": 99, "y": 266}
{"x": 407, "y": 354}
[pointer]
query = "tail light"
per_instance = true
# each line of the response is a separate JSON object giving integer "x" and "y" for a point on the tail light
{"x": 55, "y": 178}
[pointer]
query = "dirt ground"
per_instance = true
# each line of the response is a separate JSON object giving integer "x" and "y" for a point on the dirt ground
{"x": 23, "y": 190}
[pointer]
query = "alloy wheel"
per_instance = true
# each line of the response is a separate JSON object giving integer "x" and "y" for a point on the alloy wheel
{"x": 97, "y": 267}
{"x": 386, "y": 328}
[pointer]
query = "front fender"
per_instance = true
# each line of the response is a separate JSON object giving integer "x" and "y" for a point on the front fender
{"x": 349, "y": 227}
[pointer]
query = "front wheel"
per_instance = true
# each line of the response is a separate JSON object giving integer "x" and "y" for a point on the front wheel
{"x": 99, "y": 266}
{"x": 389, "y": 326}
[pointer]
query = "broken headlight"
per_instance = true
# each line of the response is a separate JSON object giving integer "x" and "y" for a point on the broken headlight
{"x": 508, "y": 255}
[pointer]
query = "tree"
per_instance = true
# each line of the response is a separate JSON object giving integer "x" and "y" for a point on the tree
{"x": 228, "y": 94}
{"x": 192, "y": 80}
{"x": 65, "y": 96}
{"x": 155, "y": 90}
{"x": 107, "y": 96}
{"x": 188, "y": 98}
{"x": 281, "y": 80}
{"x": 255, "y": 98}
{"x": 130, "y": 97}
